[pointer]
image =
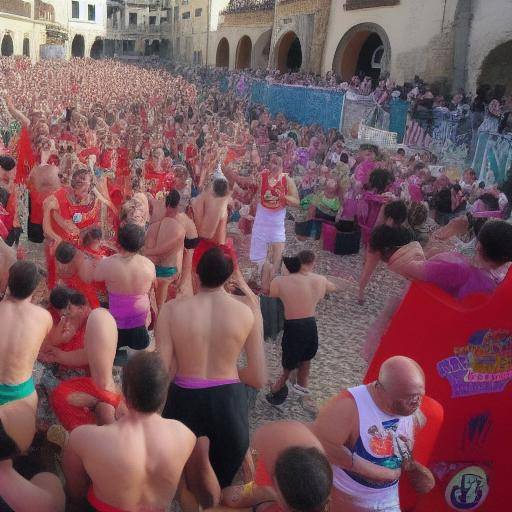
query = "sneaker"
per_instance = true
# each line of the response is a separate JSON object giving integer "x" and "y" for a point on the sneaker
{"x": 278, "y": 398}
{"x": 300, "y": 390}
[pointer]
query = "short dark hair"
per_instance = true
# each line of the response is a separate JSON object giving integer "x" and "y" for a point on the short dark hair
{"x": 59, "y": 297}
{"x": 91, "y": 235}
{"x": 23, "y": 279}
{"x": 387, "y": 239}
{"x": 304, "y": 477}
{"x": 495, "y": 237}
{"x": 400, "y": 151}
{"x": 172, "y": 199}
{"x": 131, "y": 237}
{"x": 214, "y": 268}
{"x": 77, "y": 298}
{"x": 306, "y": 257}
{"x": 145, "y": 382}
{"x": 417, "y": 214}
{"x": 292, "y": 264}
{"x": 220, "y": 187}
{"x": 65, "y": 252}
{"x": 344, "y": 158}
{"x": 7, "y": 163}
{"x": 4, "y": 196}
{"x": 380, "y": 179}
{"x": 490, "y": 201}
{"x": 396, "y": 211}
{"x": 78, "y": 176}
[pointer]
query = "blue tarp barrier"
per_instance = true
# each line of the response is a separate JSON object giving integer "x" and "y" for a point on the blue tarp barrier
{"x": 493, "y": 153}
{"x": 304, "y": 105}
{"x": 398, "y": 118}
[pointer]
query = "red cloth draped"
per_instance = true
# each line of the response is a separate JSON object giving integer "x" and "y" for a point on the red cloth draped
{"x": 205, "y": 245}
{"x": 26, "y": 157}
{"x": 72, "y": 416}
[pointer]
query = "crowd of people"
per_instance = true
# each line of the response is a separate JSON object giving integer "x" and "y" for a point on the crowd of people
{"x": 127, "y": 177}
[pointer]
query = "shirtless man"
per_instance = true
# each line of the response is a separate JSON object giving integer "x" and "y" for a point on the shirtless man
{"x": 300, "y": 292}
{"x": 285, "y": 449}
{"x": 42, "y": 181}
{"x": 7, "y": 259}
{"x": 164, "y": 246}
{"x": 201, "y": 353}
{"x": 90, "y": 400}
{"x": 24, "y": 327}
{"x": 135, "y": 463}
{"x": 129, "y": 277}
{"x": 357, "y": 425}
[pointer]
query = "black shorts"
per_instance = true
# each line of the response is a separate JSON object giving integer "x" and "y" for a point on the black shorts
{"x": 219, "y": 413}
{"x": 136, "y": 338}
{"x": 300, "y": 342}
{"x": 35, "y": 232}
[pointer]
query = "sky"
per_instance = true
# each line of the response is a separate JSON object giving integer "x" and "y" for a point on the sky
{"x": 217, "y": 6}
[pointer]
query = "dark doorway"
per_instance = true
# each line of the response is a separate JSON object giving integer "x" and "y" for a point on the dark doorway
{"x": 78, "y": 46}
{"x": 289, "y": 53}
{"x": 26, "y": 47}
{"x": 7, "y": 46}
{"x": 370, "y": 56}
{"x": 97, "y": 49}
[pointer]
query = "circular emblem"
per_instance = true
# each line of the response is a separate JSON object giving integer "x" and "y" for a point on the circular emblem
{"x": 77, "y": 217}
{"x": 468, "y": 489}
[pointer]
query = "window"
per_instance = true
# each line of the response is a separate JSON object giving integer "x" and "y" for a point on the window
{"x": 200, "y": 57}
{"x": 184, "y": 2}
{"x": 91, "y": 12}
{"x": 176, "y": 14}
{"x": 351, "y": 5}
{"x": 198, "y": 12}
{"x": 185, "y": 15}
{"x": 132, "y": 18}
{"x": 75, "y": 9}
{"x": 152, "y": 20}
{"x": 163, "y": 20}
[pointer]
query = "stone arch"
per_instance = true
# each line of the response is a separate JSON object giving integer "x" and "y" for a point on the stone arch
{"x": 96, "y": 49}
{"x": 26, "y": 47}
{"x": 497, "y": 67}
{"x": 288, "y": 54}
{"x": 365, "y": 48}
{"x": 243, "y": 53}
{"x": 261, "y": 50}
{"x": 7, "y": 48}
{"x": 78, "y": 46}
{"x": 222, "y": 55}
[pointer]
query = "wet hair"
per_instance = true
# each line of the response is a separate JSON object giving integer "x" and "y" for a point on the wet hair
{"x": 400, "y": 151}
{"x": 396, "y": 211}
{"x": 214, "y": 268}
{"x": 495, "y": 238}
{"x": 4, "y": 196}
{"x": 59, "y": 297}
{"x": 443, "y": 201}
{"x": 23, "y": 279}
{"x": 369, "y": 147}
{"x": 65, "y": 252}
{"x": 304, "y": 477}
{"x": 91, "y": 235}
{"x": 78, "y": 177}
{"x": 172, "y": 199}
{"x": 220, "y": 187}
{"x": 7, "y": 163}
{"x": 306, "y": 257}
{"x": 344, "y": 158}
{"x": 387, "y": 239}
{"x": 131, "y": 237}
{"x": 145, "y": 382}
{"x": 417, "y": 215}
{"x": 292, "y": 264}
{"x": 77, "y": 298}
{"x": 380, "y": 179}
{"x": 490, "y": 201}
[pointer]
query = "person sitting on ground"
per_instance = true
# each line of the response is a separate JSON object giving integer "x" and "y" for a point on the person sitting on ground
{"x": 300, "y": 336}
{"x": 137, "y": 462}
{"x": 292, "y": 473}
{"x": 368, "y": 433}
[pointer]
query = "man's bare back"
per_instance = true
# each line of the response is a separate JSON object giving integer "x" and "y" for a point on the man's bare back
{"x": 211, "y": 215}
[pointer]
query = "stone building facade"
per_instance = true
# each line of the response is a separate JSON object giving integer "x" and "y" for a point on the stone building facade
{"x": 458, "y": 42}
{"x": 52, "y": 28}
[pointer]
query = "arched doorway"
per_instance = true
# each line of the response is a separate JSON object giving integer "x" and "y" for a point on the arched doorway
{"x": 97, "y": 49}
{"x": 26, "y": 47}
{"x": 222, "y": 57}
{"x": 289, "y": 53}
{"x": 243, "y": 53}
{"x": 155, "y": 47}
{"x": 365, "y": 50}
{"x": 497, "y": 67}
{"x": 7, "y": 46}
{"x": 78, "y": 46}
{"x": 261, "y": 50}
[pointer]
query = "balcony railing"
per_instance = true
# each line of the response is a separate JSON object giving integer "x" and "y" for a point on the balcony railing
{"x": 237, "y": 6}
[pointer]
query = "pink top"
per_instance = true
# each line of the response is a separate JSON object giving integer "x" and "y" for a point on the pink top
{"x": 363, "y": 171}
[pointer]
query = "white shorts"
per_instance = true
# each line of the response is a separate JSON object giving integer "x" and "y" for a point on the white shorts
{"x": 268, "y": 228}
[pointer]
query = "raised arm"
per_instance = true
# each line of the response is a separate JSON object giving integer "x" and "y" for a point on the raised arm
{"x": 24, "y": 120}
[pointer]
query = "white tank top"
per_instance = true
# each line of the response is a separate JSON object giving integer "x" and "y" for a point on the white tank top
{"x": 377, "y": 443}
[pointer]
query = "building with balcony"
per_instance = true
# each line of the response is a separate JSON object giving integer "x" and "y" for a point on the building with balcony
{"x": 459, "y": 42}
{"x": 137, "y": 28}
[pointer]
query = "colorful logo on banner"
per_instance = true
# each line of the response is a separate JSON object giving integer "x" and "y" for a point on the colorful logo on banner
{"x": 468, "y": 489}
{"x": 482, "y": 366}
